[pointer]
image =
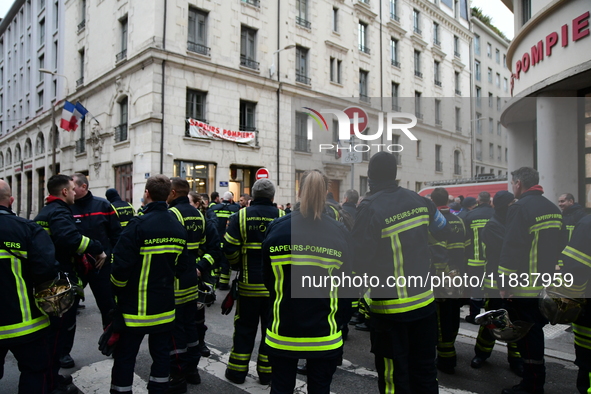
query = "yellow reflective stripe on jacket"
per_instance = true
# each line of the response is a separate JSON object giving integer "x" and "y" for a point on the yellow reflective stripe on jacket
{"x": 281, "y": 212}
{"x": 401, "y": 305}
{"x": 83, "y": 244}
{"x": 329, "y": 342}
{"x": 405, "y": 225}
{"x": 336, "y": 212}
{"x": 582, "y": 335}
{"x": 242, "y": 224}
{"x": 546, "y": 225}
{"x": 182, "y": 296}
{"x": 305, "y": 259}
{"x": 577, "y": 255}
{"x": 455, "y": 245}
{"x": 161, "y": 249}
{"x": 24, "y": 328}
{"x": 143, "y": 285}
{"x": 118, "y": 283}
{"x": 279, "y": 277}
{"x": 477, "y": 260}
{"x": 148, "y": 320}
{"x": 526, "y": 291}
{"x": 231, "y": 239}
{"x": 20, "y": 285}
{"x": 178, "y": 215}
{"x": 252, "y": 289}
{"x": 393, "y": 232}
{"x": 505, "y": 271}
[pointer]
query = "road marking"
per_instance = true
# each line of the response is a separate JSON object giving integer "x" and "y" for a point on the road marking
{"x": 96, "y": 379}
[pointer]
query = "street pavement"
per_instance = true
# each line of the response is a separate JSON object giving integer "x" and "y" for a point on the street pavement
{"x": 357, "y": 374}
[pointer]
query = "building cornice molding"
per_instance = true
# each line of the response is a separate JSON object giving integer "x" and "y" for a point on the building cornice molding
{"x": 441, "y": 17}
{"x": 364, "y": 9}
{"x": 334, "y": 45}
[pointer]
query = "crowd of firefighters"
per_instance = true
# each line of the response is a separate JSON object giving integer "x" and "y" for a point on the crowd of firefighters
{"x": 152, "y": 272}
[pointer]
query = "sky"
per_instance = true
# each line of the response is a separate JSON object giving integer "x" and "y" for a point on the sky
{"x": 501, "y": 16}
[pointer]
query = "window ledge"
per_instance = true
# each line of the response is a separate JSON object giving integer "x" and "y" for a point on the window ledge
{"x": 248, "y": 147}
{"x": 122, "y": 144}
{"x": 198, "y": 141}
{"x": 81, "y": 155}
{"x": 251, "y": 70}
{"x": 303, "y": 153}
{"x": 340, "y": 85}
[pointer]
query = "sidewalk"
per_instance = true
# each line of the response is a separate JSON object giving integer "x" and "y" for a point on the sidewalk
{"x": 559, "y": 339}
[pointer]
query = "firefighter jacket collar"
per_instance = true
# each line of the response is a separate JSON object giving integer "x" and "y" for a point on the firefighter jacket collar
{"x": 155, "y": 206}
{"x": 261, "y": 201}
{"x": 6, "y": 210}
{"x": 533, "y": 191}
{"x": 49, "y": 199}
{"x": 572, "y": 209}
{"x": 376, "y": 186}
{"x": 179, "y": 200}
{"x": 83, "y": 200}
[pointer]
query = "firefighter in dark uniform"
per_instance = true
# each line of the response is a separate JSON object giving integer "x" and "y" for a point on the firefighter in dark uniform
{"x": 532, "y": 245}
{"x": 56, "y": 218}
{"x": 447, "y": 257}
{"x": 475, "y": 220}
{"x": 572, "y": 212}
{"x": 28, "y": 259}
{"x": 185, "y": 352}
{"x": 577, "y": 262}
{"x": 96, "y": 219}
{"x": 221, "y": 212}
{"x": 492, "y": 236}
{"x": 145, "y": 263}
{"x": 306, "y": 242}
{"x": 242, "y": 247}
{"x": 123, "y": 209}
{"x": 392, "y": 226}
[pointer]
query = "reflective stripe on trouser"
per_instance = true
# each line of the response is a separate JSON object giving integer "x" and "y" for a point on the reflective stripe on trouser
{"x": 125, "y": 355}
{"x": 184, "y": 354}
{"x": 249, "y": 310}
{"x": 448, "y": 325}
{"x": 224, "y": 270}
{"x": 485, "y": 341}
{"x": 411, "y": 348}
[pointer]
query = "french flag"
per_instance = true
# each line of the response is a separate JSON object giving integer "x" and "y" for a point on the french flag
{"x": 71, "y": 114}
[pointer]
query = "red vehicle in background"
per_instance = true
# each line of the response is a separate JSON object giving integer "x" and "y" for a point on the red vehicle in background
{"x": 469, "y": 187}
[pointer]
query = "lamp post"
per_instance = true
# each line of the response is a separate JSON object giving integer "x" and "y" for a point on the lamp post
{"x": 53, "y": 125}
{"x": 271, "y": 72}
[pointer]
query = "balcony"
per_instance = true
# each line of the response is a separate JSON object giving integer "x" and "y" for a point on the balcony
{"x": 458, "y": 92}
{"x": 457, "y": 54}
{"x": 418, "y": 31}
{"x": 418, "y": 74}
{"x": 394, "y": 17}
{"x": 80, "y": 82}
{"x": 80, "y": 146}
{"x": 395, "y": 63}
{"x": 438, "y": 166}
{"x": 302, "y": 78}
{"x": 250, "y": 63}
{"x": 457, "y": 169}
{"x": 81, "y": 25}
{"x": 254, "y": 3}
{"x": 364, "y": 49}
{"x": 436, "y": 42}
{"x": 121, "y": 132}
{"x": 121, "y": 55}
{"x": 437, "y": 83}
{"x": 198, "y": 48}
{"x": 303, "y": 22}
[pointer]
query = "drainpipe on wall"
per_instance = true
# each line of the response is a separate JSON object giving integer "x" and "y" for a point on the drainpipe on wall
{"x": 278, "y": 80}
{"x": 472, "y": 84}
{"x": 162, "y": 105}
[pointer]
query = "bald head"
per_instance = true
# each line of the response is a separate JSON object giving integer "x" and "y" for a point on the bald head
{"x": 6, "y": 198}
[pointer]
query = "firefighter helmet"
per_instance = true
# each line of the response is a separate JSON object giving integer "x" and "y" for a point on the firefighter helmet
{"x": 57, "y": 296}
{"x": 501, "y": 327}
{"x": 558, "y": 307}
{"x": 206, "y": 294}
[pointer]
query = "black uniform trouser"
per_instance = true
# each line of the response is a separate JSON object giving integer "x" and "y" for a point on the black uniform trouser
{"x": 582, "y": 331}
{"x": 184, "y": 354}
{"x": 61, "y": 333}
{"x": 246, "y": 322}
{"x": 320, "y": 372}
{"x": 125, "y": 355}
{"x": 448, "y": 324}
{"x": 531, "y": 347}
{"x": 485, "y": 341}
{"x": 33, "y": 363}
{"x": 405, "y": 354}
{"x": 100, "y": 284}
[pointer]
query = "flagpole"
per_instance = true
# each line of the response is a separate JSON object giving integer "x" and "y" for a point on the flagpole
{"x": 54, "y": 142}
